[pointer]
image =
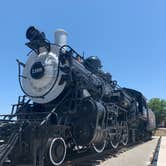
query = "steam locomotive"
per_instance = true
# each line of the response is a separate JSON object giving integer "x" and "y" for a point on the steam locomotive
{"x": 70, "y": 105}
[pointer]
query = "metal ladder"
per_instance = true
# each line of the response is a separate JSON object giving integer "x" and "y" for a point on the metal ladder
{"x": 7, "y": 147}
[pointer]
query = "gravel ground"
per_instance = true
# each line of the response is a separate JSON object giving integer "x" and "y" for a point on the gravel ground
{"x": 138, "y": 156}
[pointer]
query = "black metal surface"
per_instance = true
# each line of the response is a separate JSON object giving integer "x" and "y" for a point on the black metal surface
{"x": 37, "y": 39}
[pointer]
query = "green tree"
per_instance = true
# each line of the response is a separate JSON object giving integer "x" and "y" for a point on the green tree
{"x": 159, "y": 108}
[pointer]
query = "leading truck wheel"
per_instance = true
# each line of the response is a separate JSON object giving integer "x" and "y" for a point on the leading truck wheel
{"x": 57, "y": 151}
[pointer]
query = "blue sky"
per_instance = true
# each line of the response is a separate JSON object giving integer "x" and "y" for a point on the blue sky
{"x": 129, "y": 36}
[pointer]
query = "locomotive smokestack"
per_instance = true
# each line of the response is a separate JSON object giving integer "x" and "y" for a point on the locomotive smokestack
{"x": 61, "y": 37}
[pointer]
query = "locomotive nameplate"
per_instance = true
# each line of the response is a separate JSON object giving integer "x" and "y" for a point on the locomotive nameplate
{"x": 37, "y": 70}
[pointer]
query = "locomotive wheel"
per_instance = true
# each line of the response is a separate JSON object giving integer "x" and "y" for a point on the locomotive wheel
{"x": 125, "y": 135}
{"x": 115, "y": 141}
{"x": 99, "y": 148}
{"x": 56, "y": 151}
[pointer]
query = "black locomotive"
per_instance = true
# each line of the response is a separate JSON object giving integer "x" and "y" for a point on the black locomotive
{"x": 70, "y": 105}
